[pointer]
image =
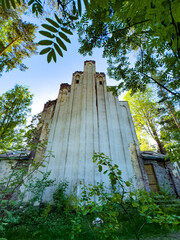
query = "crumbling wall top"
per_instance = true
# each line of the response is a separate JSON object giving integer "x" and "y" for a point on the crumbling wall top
{"x": 77, "y": 72}
{"x": 89, "y": 61}
{"x": 49, "y": 104}
{"x": 65, "y": 85}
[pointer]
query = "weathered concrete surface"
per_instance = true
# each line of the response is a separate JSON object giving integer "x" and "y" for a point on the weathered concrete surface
{"x": 86, "y": 119}
{"x": 167, "y": 173}
{"x": 10, "y": 165}
{"x": 10, "y": 160}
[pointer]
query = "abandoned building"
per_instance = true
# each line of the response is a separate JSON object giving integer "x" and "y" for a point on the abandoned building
{"x": 85, "y": 119}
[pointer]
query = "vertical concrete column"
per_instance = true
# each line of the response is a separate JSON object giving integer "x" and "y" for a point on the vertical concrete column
{"x": 116, "y": 146}
{"x": 76, "y": 127}
{"x": 104, "y": 144}
{"x": 89, "y": 71}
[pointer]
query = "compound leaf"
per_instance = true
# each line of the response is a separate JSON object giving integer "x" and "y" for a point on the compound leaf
{"x": 79, "y": 7}
{"x": 50, "y": 28}
{"x": 61, "y": 44}
{"x": 45, "y": 50}
{"x": 66, "y": 31}
{"x": 45, "y": 42}
{"x": 62, "y": 35}
{"x": 58, "y": 49}
{"x": 53, "y": 22}
{"x": 47, "y": 34}
{"x": 49, "y": 57}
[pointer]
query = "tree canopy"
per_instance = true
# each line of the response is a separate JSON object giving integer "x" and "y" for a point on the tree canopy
{"x": 154, "y": 121}
{"x": 14, "y": 109}
{"x": 140, "y": 39}
{"x": 16, "y": 41}
{"x": 57, "y": 28}
{"x": 146, "y": 118}
{"x": 149, "y": 30}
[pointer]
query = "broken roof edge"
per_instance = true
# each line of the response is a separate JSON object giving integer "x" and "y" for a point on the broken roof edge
{"x": 150, "y": 155}
{"x": 19, "y": 155}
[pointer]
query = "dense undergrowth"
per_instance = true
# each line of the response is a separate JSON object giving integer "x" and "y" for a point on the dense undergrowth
{"x": 60, "y": 228}
{"x": 49, "y": 222}
{"x": 117, "y": 214}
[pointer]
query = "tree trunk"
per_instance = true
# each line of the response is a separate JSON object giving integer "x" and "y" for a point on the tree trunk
{"x": 158, "y": 141}
{"x": 9, "y": 45}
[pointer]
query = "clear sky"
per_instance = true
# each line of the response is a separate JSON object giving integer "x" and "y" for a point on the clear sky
{"x": 44, "y": 79}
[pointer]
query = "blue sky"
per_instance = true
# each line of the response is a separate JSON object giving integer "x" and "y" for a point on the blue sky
{"x": 44, "y": 79}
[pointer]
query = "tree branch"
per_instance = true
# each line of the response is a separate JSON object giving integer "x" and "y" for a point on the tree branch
{"x": 170, "y": 109}
{"x": 121, "y": 29}
{"x": 9, "y": 45}
{"x": 158, "y": 83}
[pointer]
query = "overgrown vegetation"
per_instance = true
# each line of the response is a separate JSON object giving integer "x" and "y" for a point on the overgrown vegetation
{"x": 150, "y": 30}
{"x": 155, "y": 121}
{"x": 98, "y": 213}
{"x": 14, "y": 110}
{"x": 17, "y": 39}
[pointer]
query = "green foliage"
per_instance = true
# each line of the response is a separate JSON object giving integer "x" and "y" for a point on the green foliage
{"x": 57, "y": 29}
{"x": 146, "y": 117}
{"x": 97, "y": 201}
{"x": 59, "y": 197}
{"x": 56, "y": 32}
{"x": 146, "y": 30}
{"x": 148, "y": 207}
{"x": 6, "y": 4}
{"x": 125, "y": 214}
{"x": 13, "y": 207}
{"x": 14, "y": 109}
{"x": 37, "y": 7}
{"x": 17, "y": 39}
{"x": 170, "y": 129}
{"x": 157, "y": 121}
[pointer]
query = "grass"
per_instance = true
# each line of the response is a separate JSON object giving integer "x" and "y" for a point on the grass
{"x": 59, "y": 227}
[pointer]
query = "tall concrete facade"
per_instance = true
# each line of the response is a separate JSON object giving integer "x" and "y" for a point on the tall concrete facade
{"x": 86, "y": 119}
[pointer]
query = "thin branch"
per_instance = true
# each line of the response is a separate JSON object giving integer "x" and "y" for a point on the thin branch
{"x": 9, "y": 45}
{"x": 168, "y": 90}
{"x": 131, "y": 25}
{"x": 141, "y": 228}
{"x": 142, "y": 55}
{"x": 170, "y": 109}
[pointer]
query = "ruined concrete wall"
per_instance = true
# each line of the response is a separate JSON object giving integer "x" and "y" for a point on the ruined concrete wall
{"x": 46, "y": 118}
{"x": 43, "y": 130}
{"x": 9, "y": 169}
{"x": 5, "y": 168}
{"x": 167, "y": 176}
{"x": 88, "y": 119}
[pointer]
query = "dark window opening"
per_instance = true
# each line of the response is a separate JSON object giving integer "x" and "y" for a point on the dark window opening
{"x": 100, "y": 82}
{"x": 77, "y": 81}
{"x": 153, "y": 183}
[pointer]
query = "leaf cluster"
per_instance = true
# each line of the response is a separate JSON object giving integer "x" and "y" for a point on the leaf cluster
{"x": 14, "y": 109}
{"x": 13, "y": 207}
{"x": 148, "y": 30}
{"x": 110, "y": 206}
{"x": 17, "y": 39}
{"x": 56, "y": 32}
{"x": 56, "y": 29}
